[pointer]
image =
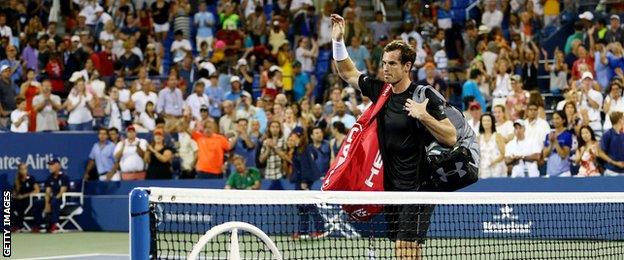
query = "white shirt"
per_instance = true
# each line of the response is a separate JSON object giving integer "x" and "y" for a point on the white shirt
{"x": 537, "y": 130}
{"x": 347, "y": 120}
{"x": 140, "y": 99}
{"x": 81, "y": 113}
{"x": 194, "y": 102}
{"x": 492, "y": 19}
{"x": 89, "y": 12}
{"x": 506, "y": 129}
{"x": 503, "y": 86}
{"x": 15, "y": 116}
{"x": 296, "y": 4}
{"x": 105, "y": 36}
{"x": 115, "y": 115}
{"x": 441, "y": 59}
{"x": 489, "y": 58}
{"x": 617, "y": 105}
{"x": 188, "y": 148}
{"x": 6, "y": 31}
{"x": 304, "y": 56}
{"x": 124, "y": 97}
{"x": 179, "y": 48}
{"x": 147, "y": 122}
{"x": 525, "y": 147}
{"x": 130, "y": 160}
{"x": 594, "y": 114}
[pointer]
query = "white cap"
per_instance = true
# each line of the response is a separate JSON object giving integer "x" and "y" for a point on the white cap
{"x": 615, "y": 16}
{"x": 234, "y": 79}
{"x": 587, "y": 15}
{"x": 75, "y": 76}
{"x": 276, "y": 22}
{"x": 520, "y": 122}
{"x": 484, "y": 29}
{"x": 98, "y": 8}
{"x": 75, "y": 38}
{"x": 274, "y": 68}
{"x": 3, "y": 67}
{"x": 241, "y": 62}
{"x": 587, "y": 74}
{"x": 178, "y": 58}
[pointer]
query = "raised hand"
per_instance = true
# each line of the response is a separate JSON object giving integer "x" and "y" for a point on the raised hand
{"x": 338, "y": 25}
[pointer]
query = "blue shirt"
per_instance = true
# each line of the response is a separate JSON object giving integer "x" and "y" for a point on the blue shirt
{"x": 612, "y": 143}
{"x": 103, "y": 156}
{"x": 322, "y": 156}
{"x": 470, "y": 88}
{"x": 359, "y": 57}
{"x": 56, "y": 183}
{"x": 205, "y": 21}
{"x": 170, "y": 102}
{"x": 304, "y": 167}
{"x": 556, "y": 164}
{"x": 299, "y": 86}
{"x": 603, "y": 72}
{"x": 248, "y": 153}
{"x": 215, "y": 95}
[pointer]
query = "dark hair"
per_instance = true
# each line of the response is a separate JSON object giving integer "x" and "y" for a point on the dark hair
{"x": 19, "y": 100}
{"x": 268, "y": 131}
{"x": 103, "y": 129}
{"x": 475, "y": 73}
{"x": 535, "y": 98}
{"x": 563, "y": 116}
{"x": 615, "y": 117}
{"x": 493, "y": 127}
{"x": 159, "y": 120}
{"x": 340, "y": 127}
{"x": 581, "y": 142}
{"x": 408, "y": 54}
{"x": 113, "y": 129}
{"x": 242, "y": 119}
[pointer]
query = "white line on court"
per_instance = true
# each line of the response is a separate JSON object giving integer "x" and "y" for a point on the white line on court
{"x": 81, "y": 256}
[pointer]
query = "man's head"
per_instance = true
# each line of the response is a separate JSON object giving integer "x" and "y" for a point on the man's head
{"x": 531, "y": 111}
{"x": 296, "y": 67}
{"x": 379, "y": 16}
{"x": 397, "y": 61}
{"x": 11, "y": 52}
{"x": 340, "y": 108}
{"x": 239, "y": 164}
{"x": 615, "y": 22}
{"x": 54, "y": 166}
{"x": 235, "y": 83}
{"x": 242, "y": 124}
{"x": 102, "y": 135}
{"x": 519, "y": 127}
{"x": 317, "y": 110}
{"x": 172, "y": 81}
{"x": 210, "y": 127}
{"x": 317, "y": 134}
{"x": 475, "y": 110}
{"x": 179, "y": 35}
{"x": 20, "y": 102}
{"x": 199, "y": 88}
{"x": 204, "y": 112}
{"x": 616, "y": 119}
{"x": 228, "y": 107}
{"x": 46, "y": 87}
{"x": 430, "y": 70}
{"x": 336, "y": 94}
{"x": 131, "y": 132}
{"x": 616, "y": 90}
{"x": 355, "y": 42}
{"x": 587, "y": 80}
{"x": 113, "y": 134}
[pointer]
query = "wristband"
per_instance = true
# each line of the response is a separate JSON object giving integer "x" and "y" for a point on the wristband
{"x": 339, "y": 50}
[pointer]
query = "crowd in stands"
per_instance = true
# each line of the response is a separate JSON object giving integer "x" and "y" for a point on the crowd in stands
{"x": 246, "y": 90}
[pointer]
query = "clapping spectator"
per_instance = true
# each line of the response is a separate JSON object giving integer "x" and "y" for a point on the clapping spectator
{"x": 129, "y": 154}
{"x": 79, "y": 104}
{"x": 47, "y": 106}
{"x": 536, "y": 128}
{"x": 158, "y": 157}
{"x": 246, "y": 145}
{"x": 517, "y": 99}
{"x": 211, "y": 148}
{"x": 522, "y": 153}
{"x": 492, "y": 149}
{"x": 272, "y": 154}
{"x": 504, "y": 126}
{"x": 113, "y": 109}
{"x": 339, "y": 132}
{"x": 140, "y": 98}
{"x": 147, "y": 118}
{"x": 557, "y": 147}
{"x": 20, "y": 117}
{"x": 197, "y": 100}
{"x": 615, "y": 32}
{"x": 587, "y": 154}
{"x": 590, "y": 103}
{"x": 613, "y": 102}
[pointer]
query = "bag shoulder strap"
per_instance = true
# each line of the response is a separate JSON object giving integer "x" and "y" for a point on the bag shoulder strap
{"x": 385, "y": 93}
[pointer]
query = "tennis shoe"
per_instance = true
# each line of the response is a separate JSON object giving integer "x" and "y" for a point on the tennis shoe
{"x": 317, "y": 235}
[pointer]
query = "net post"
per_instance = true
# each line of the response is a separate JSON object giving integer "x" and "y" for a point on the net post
{"x": 139, "y": 224}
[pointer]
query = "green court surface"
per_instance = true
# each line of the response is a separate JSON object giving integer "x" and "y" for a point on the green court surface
{"x": 28, "y": 245}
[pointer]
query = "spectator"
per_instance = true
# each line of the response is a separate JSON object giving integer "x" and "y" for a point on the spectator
{"x": 290, "y": 121}
{"x": 322, "y": 152}
{"x": 187, "y": 151}
{"x": 180, "y": 47}
{"x": 235, "y": 94}
{"x": 129, "y": 154}
{"x": 557, "y": 147}
{"x": 612, "y": 146}
{"x": 103, "y": 158}
{"x": 613, "y": 102}
{"x": 339, "y": 132}
{"x": 587, "y": 153}
{"x": 161, "y": 14}
{"x": 558, "y": 71}
{"x": 615, "y": 32}
{"x": 275, "y": 83}
{"x": 56, "y": 184}
{"x": 590, "y": 103}
{"x": 474, "y": 119}
{"x": 306, "y": 51}
{"x": 129, "y": 63}
{"x": 197, "y": 100}
{"x": 341, "y": 115}
{"x": 432, "y": 79}
{"x": 302, "y": 83}
{"x": 583, "y": 60}
{"x": 30, "y": 54}
{"x": 215, "y": 96}
{"x": 244, "y": 177}
{"x": 47, "y": 106}
{"x": 530, "y": 63}
{"x": 379, "y": 27}
{"x": 503, "y": 85}
{"x": 518, "y": 99}
{"x": 158, "y": 157}
{"x": 140, "y": 98}
{"x": 13, "y": 64}
{"x": 242, "y": 70}
{"x": 504, "y": 126}
{"x": 5, "y": 30}
{"x": 492, "y": 17}
{"x": 272, "y": 155}
{"x": 536, "y": 128}
{"x": 492, "y": 149}
{"x": 7, "y": 95}
{"x": 353, "y": 26}
{"x": 211, "y": 147}
{"x": 147, "y": 119}
{"x": 24, "y": 186}
{"x": 245, "y": 144}
{"x": 360, "y": 56}
{"x": 226, "y": 122}
{"x": 318, "y": 119}
{"x": 20, "y": 117}
{"x": 257, "y": 24}
{"x": 79, "y": 104}
{"x": 113, "y": 109}
{"x": 522, "y": 153}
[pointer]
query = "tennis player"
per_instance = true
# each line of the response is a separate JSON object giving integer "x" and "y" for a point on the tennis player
{"x": 405, "y": 128}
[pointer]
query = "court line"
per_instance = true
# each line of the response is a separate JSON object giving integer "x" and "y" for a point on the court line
{"x": 73, "y": 256}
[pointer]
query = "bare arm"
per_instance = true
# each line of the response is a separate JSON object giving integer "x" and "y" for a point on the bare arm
{"x": 346, "y": 68}
{"x": 442, "y": 130}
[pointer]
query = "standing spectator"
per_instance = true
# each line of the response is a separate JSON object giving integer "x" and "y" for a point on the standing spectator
{"x": 124, "y": 102}
{"x": 56, "y": 184}
{"x": 272, "y": 154}
{"x": 504, "y": 126}
{"x": 612, "y": 146}
{"x": 557, "y": 147}
{"x": 215, "y": 96}
{"x": 244, "y": 177}
{"x": 492, "y": 149}
{"x": 530, "y": 64}
{"x": 438, "y": 83}
{"x": 244, "y": 73}
{"x": 13, "y": 64}
{"x": 340, "y": 115}
{"x": 129, "y": 154}
{"x": 237, "y": 91}
{"x": 113, "y": 109}
{"x": 590, "y": 103}
{"x": 558, "y": 71}
{"x": 245, "y": 144}
{"x": 492, "y": 17}
{"x": 180, "y": 47}
{"x": 474, "y": 118}
{"x": 79, "y": 105}
{"x": 360, "y": 56}
{"x": 211, "y": 147}
{"x": 160, "y": 16}
{"x": 379, "y": 27}
{"x": 7, "y": 95}
{"x": 54, "y": 69}
{"x": 20, "y": 117}
{"x": 322, "y": 152}
{"x": 226, "y": 122}
{"x": 587, "y": 154}
{"x": 302, "y": 86}
{"x": 47, "y": 106}
{"x": 24, "y": 186}
{"x": 140, "y": 98}
{"x": 518, "y": 99}
{"x": 535, "y": 128}
{"x": 306, "y": 52}
{"x": 5, "y": 30}
{"x": 339, "y": 132}
{"x": 502, "y": 87}
{"x": 129, "y": 63}
{"x": 613, "y": 102}
{"x": 256, "y": 25}
{"x": 30, "y": 55}
{"x": 187, "y": 151}
{"x": 197, "y": 100}
{"x": 158, "y": 157}
{"x": 584, "y": 59}
{"x": 103, "y": 158}
{"x": 471, "y": 88}
{"x": 522, "y": 153}
{"x": 615, "y": 32}
{"x": 147, "y": 118}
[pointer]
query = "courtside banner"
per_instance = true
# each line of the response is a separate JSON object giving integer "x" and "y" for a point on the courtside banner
{"x": 36, "y": 149}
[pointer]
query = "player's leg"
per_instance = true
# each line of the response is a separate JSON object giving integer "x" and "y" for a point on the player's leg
{"x": 412, "y": 226}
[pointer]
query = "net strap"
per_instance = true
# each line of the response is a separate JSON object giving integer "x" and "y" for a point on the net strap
{"x": 233, "y": 227}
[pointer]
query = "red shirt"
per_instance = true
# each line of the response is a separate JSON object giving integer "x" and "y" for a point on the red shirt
{"x": 576, "y": 74}
{"x": 230, "y": 38}
{"x": 103, "y": 62}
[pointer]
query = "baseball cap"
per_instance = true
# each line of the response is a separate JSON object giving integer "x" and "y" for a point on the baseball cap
{"x": 234, "y": 79}
{"x": 246, "y": 94}
{"x": 483, "y": 29}
{"x": 474, "y": 105}
{"x": 298, "y": 131}
{"x": 53, "y": 161}
{"x": 274, "y": 68}
{"x": 276, "y": 23}
{"x": 241, "y": 62}
{"x": 3, "y": 67}
{"x": 203, "y": 108}
{"x": 99, "y": 8}
{"x": 515, "y": 78}
{"x": 75, "y": 38}
{"x": 130, "y": 128}
{"x": 519, "y": 122}
{"x": 615, "y": 16}
{"x": 587, "y": 74}
{"x": 587, "y": 15}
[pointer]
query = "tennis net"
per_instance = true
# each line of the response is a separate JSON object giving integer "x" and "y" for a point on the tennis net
{"x": 169, "y": 223}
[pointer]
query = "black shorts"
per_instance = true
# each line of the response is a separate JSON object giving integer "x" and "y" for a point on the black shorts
{"x": 408, "y": 222}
